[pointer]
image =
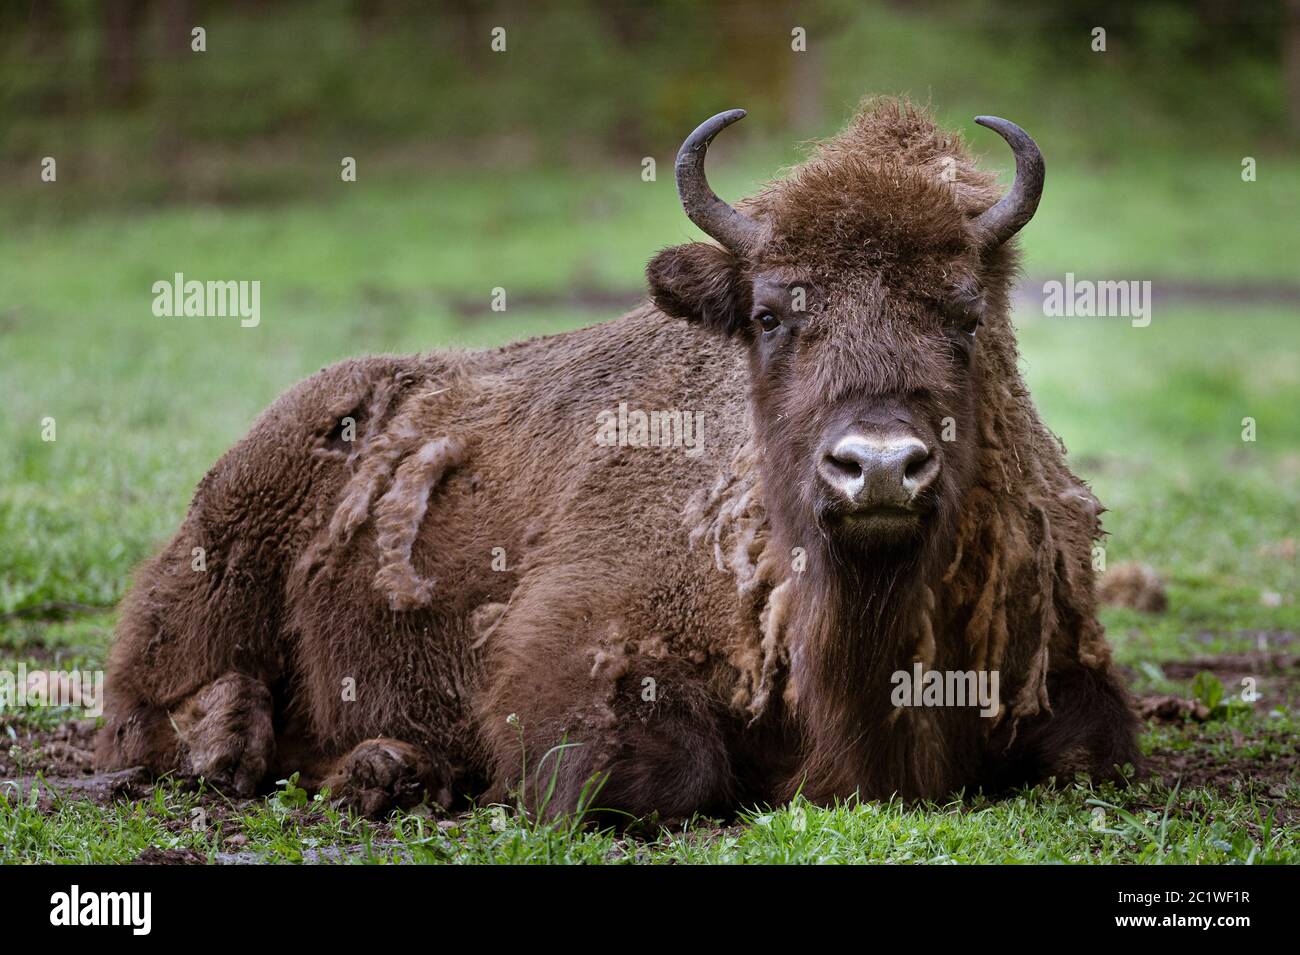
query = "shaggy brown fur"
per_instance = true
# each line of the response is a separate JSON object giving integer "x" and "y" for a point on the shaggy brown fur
{"x": 475, "y": 597}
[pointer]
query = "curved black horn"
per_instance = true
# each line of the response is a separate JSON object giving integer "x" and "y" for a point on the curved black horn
{"x": 735, "y": 230}
{"x": 1009, "y": 215}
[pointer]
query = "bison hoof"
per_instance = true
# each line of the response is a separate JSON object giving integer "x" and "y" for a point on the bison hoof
{"x": 381, "y": 775}
{"x": 228, "y": 735}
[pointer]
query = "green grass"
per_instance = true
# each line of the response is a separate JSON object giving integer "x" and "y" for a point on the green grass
{"x": 1071, "y": 824}
{"x": 1152, "y": 417}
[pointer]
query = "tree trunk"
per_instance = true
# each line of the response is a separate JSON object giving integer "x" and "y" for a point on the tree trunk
{"x": 1291, "y": 62}
{"x": 120, "y": 52}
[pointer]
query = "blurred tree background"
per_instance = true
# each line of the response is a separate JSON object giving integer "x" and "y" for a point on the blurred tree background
{"x": 284, "y": 83}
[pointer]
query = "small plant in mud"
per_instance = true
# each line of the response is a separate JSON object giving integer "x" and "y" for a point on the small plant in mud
{"x": 1209, "y": 690}
{"x": 290, "y": 796}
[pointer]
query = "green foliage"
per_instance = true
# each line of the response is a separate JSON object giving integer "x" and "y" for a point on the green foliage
{"x": 290, "y": 796}
{"x": 1207, "y": 688}
{"x": 626, "y": 79}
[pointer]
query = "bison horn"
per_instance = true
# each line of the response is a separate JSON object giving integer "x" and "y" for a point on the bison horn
{"x": 735, "y": 230}
{"x": 1009, "y": 215}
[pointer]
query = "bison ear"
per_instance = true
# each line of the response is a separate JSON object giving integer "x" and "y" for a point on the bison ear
{"x": 701, "y": 283}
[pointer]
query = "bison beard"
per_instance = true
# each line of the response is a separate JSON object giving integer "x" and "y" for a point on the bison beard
{"x": 474, "y": 598}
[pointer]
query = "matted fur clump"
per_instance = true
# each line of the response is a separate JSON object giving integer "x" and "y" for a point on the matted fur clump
{"x": 1136, "y": 586}
{"x": 434, "y": 577}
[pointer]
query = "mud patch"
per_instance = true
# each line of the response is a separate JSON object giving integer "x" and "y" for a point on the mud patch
{"x": 65, "y": 750}
{"x": 1266, "y": 779}
{"x": 100, "y": 789}
{"x": 1234, "y": 759}
{"x": 1274, "y": 676}
{"x": 57, "y": 763}
{"x": 155, "y": 856}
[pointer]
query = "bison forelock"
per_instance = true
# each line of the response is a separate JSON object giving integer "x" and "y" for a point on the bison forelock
{"x": 892, "y": 193}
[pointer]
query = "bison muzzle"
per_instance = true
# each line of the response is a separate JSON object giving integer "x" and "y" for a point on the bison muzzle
{"x": 431, "y": 578}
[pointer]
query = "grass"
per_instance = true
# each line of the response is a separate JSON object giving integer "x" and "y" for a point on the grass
{"x": 1072, "y": 824}
{"x": 1152, "y": 416}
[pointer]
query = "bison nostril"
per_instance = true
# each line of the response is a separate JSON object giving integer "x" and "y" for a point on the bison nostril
{"x": 919, "y": 471}
{"x": 915, "y": 461}
{"x": 845, "y": 466}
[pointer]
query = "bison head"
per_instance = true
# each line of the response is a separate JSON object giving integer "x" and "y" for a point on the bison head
{"x": 863, "y": 286}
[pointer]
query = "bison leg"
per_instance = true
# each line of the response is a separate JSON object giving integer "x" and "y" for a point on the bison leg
{"x": 222, "y": 732}
{"x": 571, "y": 726}
{"x": 226, "y": 734}
{"x": 1091, "y": 729}
{"x": 383, "y": 774}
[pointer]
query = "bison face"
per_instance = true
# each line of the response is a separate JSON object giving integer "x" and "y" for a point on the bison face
{"x": 858, "y": 290}
{"x": 863, "y": 397}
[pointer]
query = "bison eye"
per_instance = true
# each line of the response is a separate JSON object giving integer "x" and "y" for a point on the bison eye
{"x": 969, "y": 325}
{"x": 767, "y": 321}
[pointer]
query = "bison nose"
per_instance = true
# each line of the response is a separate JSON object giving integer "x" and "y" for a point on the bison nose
{"x": 889, "y": 472}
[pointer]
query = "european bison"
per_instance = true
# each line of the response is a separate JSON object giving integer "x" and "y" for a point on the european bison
{"x": 480, "y": 574}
